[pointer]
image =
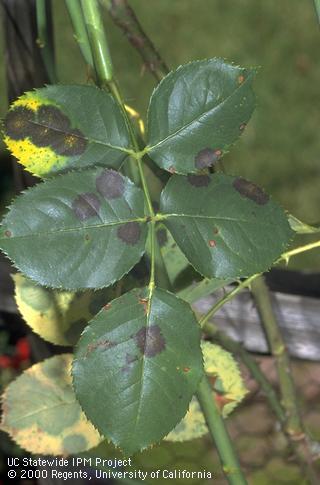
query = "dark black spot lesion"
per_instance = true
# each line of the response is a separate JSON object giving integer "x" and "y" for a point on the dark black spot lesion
{"x": 129, "y": 363}
{"x": 46, "y": 127}
{"x": 131, "y": 359}
{"x": 251, "y": 191}
{"x": 101, "y": 345}
{"x": 53, "y": 128}
{"x": 44, "y": 131}
{"x": 17, "y": 123}
{"x": 199, "y": 180}
{"x": 207, "y": 158}
{"x": 129, "y": 233}
{"x": 53, "y": 118}
{"x": 86, "y": 205}
{"x": 110, "y": 184}
{"x": 150, "y": 340}
{"x": 73, "y": 144}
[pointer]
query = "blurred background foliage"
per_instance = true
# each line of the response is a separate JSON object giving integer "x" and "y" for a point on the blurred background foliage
{"x": 280, "y": 149}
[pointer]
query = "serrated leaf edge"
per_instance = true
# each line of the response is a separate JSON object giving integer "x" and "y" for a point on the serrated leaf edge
{"x": 35, "y": 187}
{"x": 249, "y": 79}
{"x": 233, "y": 276}
{"x": 109, "y": 438}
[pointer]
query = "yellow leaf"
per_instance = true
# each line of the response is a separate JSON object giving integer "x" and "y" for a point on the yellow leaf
{"x": 225, "y": 376}
{"x": 41, "y": 414}
{"x": 57, "y": 316}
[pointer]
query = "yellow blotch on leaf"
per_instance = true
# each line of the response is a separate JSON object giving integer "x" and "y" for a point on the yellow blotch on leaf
{"x": 224, "y": 372}
{"x": 37, "y": 160}
{"x": 29, "y": 100}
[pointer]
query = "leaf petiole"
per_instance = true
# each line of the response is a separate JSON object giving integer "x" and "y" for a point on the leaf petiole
{"x": 300, "y": 249}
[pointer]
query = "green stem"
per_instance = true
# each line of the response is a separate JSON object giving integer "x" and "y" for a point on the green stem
{"x": 226, "y": 298}
{"x": 218, "y": 431}
{"x": 44, "y": 40}
{"x": 262, "y": 298}
{"x": 99, "y": 46}
{"x": 293, "y": 425}
{"x": 317, "y": 7}
{"x": 102, "y": 58}
{"x": 133, "y": 169}
{"x": 244, "y": 284}
{"x": 152, "y": 270}
{"x": 145, "y": 188}
{"x": 153, "y": 240}
{"x": 301, "y": 249}
{"x": 96, "y": 43}
{"x": 79, "y": 28}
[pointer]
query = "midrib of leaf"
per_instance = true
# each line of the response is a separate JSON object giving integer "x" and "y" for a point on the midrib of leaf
{"x": 232, "y": 219}
{"x": 150, "y": 296}
{"x": 99, "y": 142}
{"x": 197, "y": 119}
{"x": 74, "y": 229}
{"x": 46, "y": 408}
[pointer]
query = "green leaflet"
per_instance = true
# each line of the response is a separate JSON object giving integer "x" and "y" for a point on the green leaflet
{"x": 137, "y": 366}
{"x": 57, "y": 316}
{"x": 176, "y": 263}
{"x": 301, "y": 227}
{"x": 197, "y": 112}
{"x": 227, "y": 227}
{"x": 174, "y": 260}
{"x": 205, "y": 287}
{"x": 58, "y": 128}
{"x": 79, "y": 230}
{"x": 41, "y": 413}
